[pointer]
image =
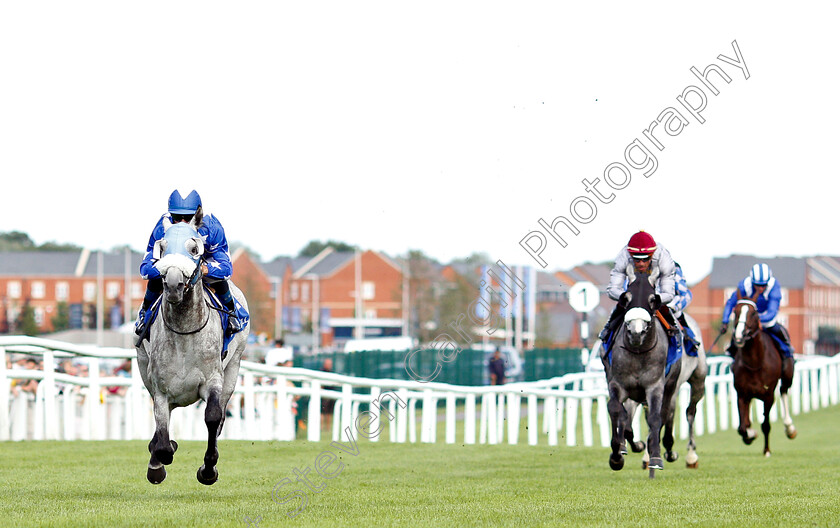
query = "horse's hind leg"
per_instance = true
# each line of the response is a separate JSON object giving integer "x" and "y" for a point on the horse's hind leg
{"x": 161, "y": 447}
{"x": 698, "y": 390}
{"x": 213, "y": 414}
{"x": 787, "y": 381}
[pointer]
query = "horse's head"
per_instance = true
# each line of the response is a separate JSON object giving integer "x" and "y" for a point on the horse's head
{"x": 641, "y": 301}
{"x": 747, "y": 323}
{"x": 179, "y": 253}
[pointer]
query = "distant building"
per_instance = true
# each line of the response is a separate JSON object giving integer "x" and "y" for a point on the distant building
{"x": 47, "y": 280}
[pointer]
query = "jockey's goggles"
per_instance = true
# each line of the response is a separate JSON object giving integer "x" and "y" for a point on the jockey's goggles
{"x": 181, "y": 217}
{"x": 641, "y": 258}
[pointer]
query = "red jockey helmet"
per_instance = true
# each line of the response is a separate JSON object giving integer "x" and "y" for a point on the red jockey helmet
{"x": 641, "y": 245}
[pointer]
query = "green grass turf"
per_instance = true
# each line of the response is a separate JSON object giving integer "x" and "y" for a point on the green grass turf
{"x": 103, "y": 484}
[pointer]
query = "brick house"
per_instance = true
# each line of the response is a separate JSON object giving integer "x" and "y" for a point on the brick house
{"x": 810, "y": 295}
{"x": 320, "y": 294}
{"x": 48, "y": 280}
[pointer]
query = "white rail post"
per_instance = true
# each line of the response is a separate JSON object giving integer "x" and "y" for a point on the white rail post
{"x": 550, "y": 418}
{"x": 492, "y": 428}
{"x": 412, "y": 419}
{"x": 69, "y": 406}
{"x": 50, "y": 414}
{"x": 428, "y": 417}
{"x": 533, "y": 420}
{"x": 5, "y": 391}
{"x": 815, "y": 387}
{"x": 402, "y": 416}
{"x": 514, "y": 408}
{"x": 586, "y": 420}
{"x": 97, "y": 410}
{"x": 250, "y": 406}
{"x": 313, "y": 426}
{"x": 376, "y": 414}
{"x": 346, "y": 410}
{"x": 469, "y": 419}
{"x": 572, "y": 405}
{"x": 450, "y": 417}
{"x": 604, "y": 422}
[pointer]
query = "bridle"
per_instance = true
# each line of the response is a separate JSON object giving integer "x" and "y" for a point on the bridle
{"x": 193, "y": 280}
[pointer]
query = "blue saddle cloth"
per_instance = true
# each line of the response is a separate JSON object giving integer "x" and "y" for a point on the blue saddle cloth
{"x": 674, "y": 351}
{"x": 783, "y": 347}
{"x": 241, "y": 313}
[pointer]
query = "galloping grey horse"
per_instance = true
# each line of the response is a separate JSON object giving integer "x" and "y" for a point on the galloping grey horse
{"x": 636, "y": 369}
{"x": 693, "y": 370}
{"x": 181, "y": 362}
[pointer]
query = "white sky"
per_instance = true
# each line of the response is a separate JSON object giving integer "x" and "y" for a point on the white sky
{"x": 444, "y": 126}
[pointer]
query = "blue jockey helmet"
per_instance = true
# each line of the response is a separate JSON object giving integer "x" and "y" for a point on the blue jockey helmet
{"x": 180, "y": 205}
{"x": 761, "y": 274}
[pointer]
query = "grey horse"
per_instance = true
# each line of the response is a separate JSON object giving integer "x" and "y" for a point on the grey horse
{"x": 636, "y": 370}
{"x": 181, "y": 362}
{"x": 693, "y": 370}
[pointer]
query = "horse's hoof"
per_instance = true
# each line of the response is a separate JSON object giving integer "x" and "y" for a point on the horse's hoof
{"x": 748, "y": 439}
{"x": 767, "y": 454}
{"x": 791, "y": 433}
{"x": 616, "y": 463}
{"x": 637, "y": 447}
{"x": 207, "y": 481}
{"x": 652, "y": 473}
{"x": 644, "y": 464}
{"x": 692, "y": 465}
{"x": 656, "y": 463}
{"x": 156, "y": 476}
{"x": 671, "y": 456}
{"x": 174, "y": 445}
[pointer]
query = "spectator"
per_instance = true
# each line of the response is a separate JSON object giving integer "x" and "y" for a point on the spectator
{"x": 327, "y": 404}
{"x": 497, "y": 368}
{"x": 279, "y": 354}
{"x": 122, "y": 371}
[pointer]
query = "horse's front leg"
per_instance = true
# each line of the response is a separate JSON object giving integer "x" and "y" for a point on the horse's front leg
{"x": 654, "y": 416}
{"x": 161, "y": 447}
{"x": 668, "y": 435}
{"x": 744, "y": 429}
{"x": 765, "y": 425}
{"x": 618, "y": 420}
{"x": 213, "y": 414}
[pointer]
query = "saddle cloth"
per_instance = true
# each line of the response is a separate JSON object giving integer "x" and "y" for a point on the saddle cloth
{"x": 215, "y": 303}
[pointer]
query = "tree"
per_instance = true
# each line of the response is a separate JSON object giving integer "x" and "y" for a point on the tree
{"x": 61, "y": 319}
{"x": 316, "y": 246}
{"x": 422, "y": 295}
{"x": 26, "y": 321}
{"x": 15, "y": 241}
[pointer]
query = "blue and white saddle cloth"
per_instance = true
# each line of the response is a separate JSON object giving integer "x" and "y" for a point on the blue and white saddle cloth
{"x": 215, "y": 303}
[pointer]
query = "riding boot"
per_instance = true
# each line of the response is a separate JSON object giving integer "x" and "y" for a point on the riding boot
{"x": 153, "y": 291}
{"x": 673, "y": 326}
{"x": 234, "y": 324}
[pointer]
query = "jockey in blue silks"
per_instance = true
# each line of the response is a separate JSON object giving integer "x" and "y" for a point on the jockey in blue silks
{"x": 769, "y": 295}
{"x": 216, "y": 266}
{"x": 645, "y": 256}
{"x": 682, "y": 298}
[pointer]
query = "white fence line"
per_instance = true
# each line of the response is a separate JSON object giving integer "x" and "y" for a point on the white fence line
{"x": 573, "y": 406}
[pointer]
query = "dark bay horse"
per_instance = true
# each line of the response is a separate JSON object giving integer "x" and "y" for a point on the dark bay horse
{"x": 636, "y": 370}
{"x": 182, "y": 362}
{"x": 757, "y": 369}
